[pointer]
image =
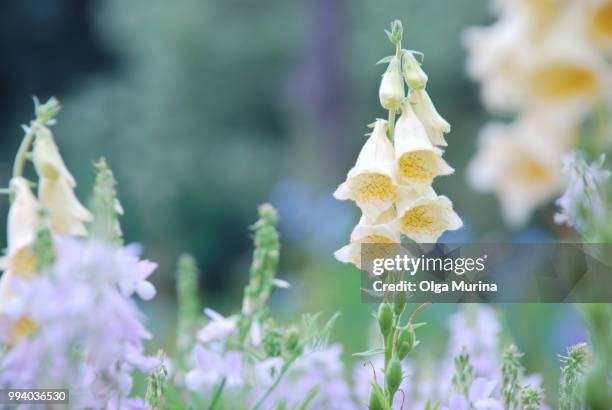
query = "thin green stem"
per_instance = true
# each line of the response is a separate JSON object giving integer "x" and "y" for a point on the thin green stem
{"x": 391, "y": 124}
{"x": 217, "y": 394}
{"x": 24, "y": 147}
{"x": 273, "y": 386}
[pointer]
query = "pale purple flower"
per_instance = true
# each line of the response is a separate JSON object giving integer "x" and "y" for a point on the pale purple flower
{"x": 583, "y": 199}
{"x": 212, "y": 366}
{"x": 480, "y": 397}
{"x": 217, "y": 329}
{"x": 88, "y": 333}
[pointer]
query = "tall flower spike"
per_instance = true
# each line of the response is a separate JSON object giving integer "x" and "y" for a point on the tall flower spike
{"x": 418, "y": 161}
{"x": 66, "y": 214}
{"x": 371, "y": 183}
{"x": 434, "y": 124}
{"x": 425, "y": 216}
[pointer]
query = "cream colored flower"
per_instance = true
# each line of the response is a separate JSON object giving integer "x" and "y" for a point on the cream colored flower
{"x": 391, "y": 91}
{"x": 371, "y": 183}
{"x": 414, "y": 75}
{"x": 424, "y": 216}
{"x": 434, "y": 124}
{"x": 521, "y": 163}
{"x": 536, "y": 55}
{"x": 599, "y": 22}
{"x": 67, "y": 216}
{"x": 367, "y": 233}
{"x": 418, "y": 161}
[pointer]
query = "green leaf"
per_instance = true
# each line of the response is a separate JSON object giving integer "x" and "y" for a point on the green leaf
{"x": 309, "y": 397}
{"x": 371, "y": 352}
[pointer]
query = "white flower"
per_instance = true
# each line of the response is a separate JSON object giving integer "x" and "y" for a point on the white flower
{"x": 217, "y": 329}
{"x": 424, "y": 216}
{"x": 391, "y": 91}
{"x": 371, "y": 183}
{"x": 23, "y": 215}
{"x": 380, "y": 232}
{"x": 434, "y": 124}
{"x": 418, "y": 161}
{"x": 67, "y": 216}
{"x": 521, "y": 163}
{"x": 414, "y": 75}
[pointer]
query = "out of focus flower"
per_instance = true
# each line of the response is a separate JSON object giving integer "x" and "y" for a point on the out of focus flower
{"x": 425, "y": 216}
{"x": 391, "y": 91}
{"x": 367, "y": 233}
{"x": 371, "y": 183}
{"x": 480, "y": 397}
{"x": 538, "y": 54}
{"x": 212, "y": 366}
{"x": 67, "y": 215}
{"x": 418, "y": 161}
{"x": 582, "y": 204}
{"x": 321, "y": 369}
{"x": 521, "y": 163}
{"x": 218, "y": 328}
{"x": 86, "y": 329}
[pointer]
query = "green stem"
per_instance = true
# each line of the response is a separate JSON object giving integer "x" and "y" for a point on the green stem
{"x": 273, "y": 386}
{"x": 391, "y": 124}
{"x": 217, "y": 394}
{"x": 22, "y": 152}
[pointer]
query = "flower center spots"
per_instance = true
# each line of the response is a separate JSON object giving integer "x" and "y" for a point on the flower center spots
{"x": 417, "y": 218}
{"x": 23, "y": 328}
{"x": 376, "y": 239}
{"x": 531, "y": 170}
{"x": 601, "y": 23}
{"x": 23, "y": 262}
{"x": 372, "y": 186}
{"x": 418, "y": 166}
{"x": 563, "y": 81}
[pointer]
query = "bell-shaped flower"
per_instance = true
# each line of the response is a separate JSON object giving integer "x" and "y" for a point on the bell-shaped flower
{"x": 521, "y": 163}
{"x": 371, "y": 183}
{"x": 67, "y": 216}
{"x": 434, "y": 124}
{"x": 391, "y": 91}
{"x": 418, "y": 161}
{"x": 378, "y": 232}
{"x": 414, "y": 75}
{"x": 424, "y": 216}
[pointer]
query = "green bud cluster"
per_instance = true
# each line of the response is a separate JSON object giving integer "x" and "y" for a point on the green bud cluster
{"x": 531, "y": 398}
{"x": 464, "y": 372}
{"x": 105, "y": 206}
{"x": 572, "y": 375}
{"x": 155, "y": 397}
{"x": 511, "y": 374}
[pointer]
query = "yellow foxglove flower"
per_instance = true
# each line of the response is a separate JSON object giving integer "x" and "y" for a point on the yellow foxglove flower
{"x": 47, "y": 159}
{"x": 23, "y": 215}
{"x": 521, "y": 163}
{"x": 67, "y": 216}
{"x": 424, "y": 216}
{"x": 418, "y": 161}
{"x": 434, "y": 124}
{"x": 367, "y": 233}
{"x": 371, "y": 183}
{"x": 391, "y": 91}
{"x": 414, "y": 75}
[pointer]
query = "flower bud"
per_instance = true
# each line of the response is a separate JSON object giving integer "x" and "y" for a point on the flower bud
{"x": 399, "y": 303}
{"x": 391, "y": 91}
{"x": 405, "y": 342}
{"x": 374, "y": 401}
{"x": 385, "y": 319}
{"x": 414, "y": 75}
{"x": 293, "y": 347}
{"x": 393, "y": 376}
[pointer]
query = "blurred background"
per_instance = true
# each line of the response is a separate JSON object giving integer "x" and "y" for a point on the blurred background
{"x": 206, "y": 109}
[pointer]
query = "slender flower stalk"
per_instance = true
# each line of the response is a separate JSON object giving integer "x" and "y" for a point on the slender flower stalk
{"x": 571, "y": 395}
{"x": 511, "y": 374}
